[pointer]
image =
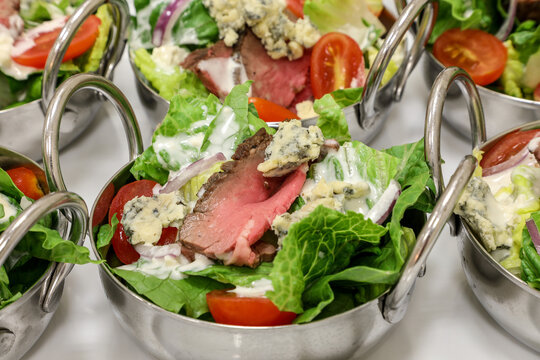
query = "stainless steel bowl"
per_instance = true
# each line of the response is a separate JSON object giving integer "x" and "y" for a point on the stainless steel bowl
{"x": 366, "y": 118}
{"x": 21, "y": 126}
{"x": 22, "y": 322}
{"x": 502, "y": 111}
{"x": 168, "y": 335}
{"x": 508, "y": 299}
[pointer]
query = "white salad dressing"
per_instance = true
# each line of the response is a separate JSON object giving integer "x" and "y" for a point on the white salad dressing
{"x": 7, "y": 65}
{"x": 257, "y": 289}
{"x": 168, "y": 57}
{"x": 9, "y": 209}
{"x": 172, "y": 267}
{"x": 180, "y": 148}
{"x": 223, "y": 137}
{"x": 26, "y": 41}
{"x": 225, "y": 72}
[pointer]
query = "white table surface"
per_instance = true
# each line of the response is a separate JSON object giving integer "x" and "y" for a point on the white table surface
{"x": 444, "y": 319}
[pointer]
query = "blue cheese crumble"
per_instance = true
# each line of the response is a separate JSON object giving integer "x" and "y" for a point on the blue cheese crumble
{"x": 280, "y": 36}
{"x": 291, "y": 146}
{"x": 144, "y": 217}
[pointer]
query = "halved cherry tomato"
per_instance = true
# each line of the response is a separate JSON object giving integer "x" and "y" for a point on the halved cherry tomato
{"x": 296, "y": 7}
{"x": 26, "y": 181}
{"x": 228, "y": 308}
{"x": 507, "y": 146}
{"x": 120, "y": 242}
{"x": 269, "y": 111}
{"x": 479, "y": 53}
{"x": 83, "y": 40}
{"x": 537, "y": 93}
{"x": 337, "y": 62}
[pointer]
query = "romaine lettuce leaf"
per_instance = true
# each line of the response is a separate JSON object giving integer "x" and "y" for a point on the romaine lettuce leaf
{"x": 168, "y": 84}
{"x": 467, "y": 14}
{"x": 526, "y": 40}
{"x": 235, "y": 275}
{"x": 187, "y": 295}
{"x": 530, "y": 260}
{"x": 91, "y": 59}
{"x": 331, "y": 119}
{"x": 318, "y": 245}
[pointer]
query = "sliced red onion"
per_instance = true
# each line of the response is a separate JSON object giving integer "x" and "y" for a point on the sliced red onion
{"x": 189, "y": 172}
{"x": 166, "y": 21}
{"x": 510, "y": 163}
{"x": 151, "y": 251}
{"x": 535, "y": 236}
{"x": 508, "y": 24}
{"x": 383, "y": 207}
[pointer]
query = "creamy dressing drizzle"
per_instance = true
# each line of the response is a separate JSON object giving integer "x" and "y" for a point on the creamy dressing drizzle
{"x": 223, "y": 137}
{"x": 257, "y": 289}
{"x": 168, "y": 266}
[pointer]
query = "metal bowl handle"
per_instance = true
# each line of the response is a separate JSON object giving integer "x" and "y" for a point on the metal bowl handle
{"x": 392, "y": 41}
{"x": 113, "y": 54}
{"x": 434, "y": 114}
{"x": 29, "y": 217}
{"x": 395, "y": 303}
{"x": 53, "y": 117}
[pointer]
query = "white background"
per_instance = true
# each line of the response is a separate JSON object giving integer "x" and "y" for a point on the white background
{"x": 444, "y": 319}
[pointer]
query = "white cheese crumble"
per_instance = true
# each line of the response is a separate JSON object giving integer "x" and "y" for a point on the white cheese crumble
{"x": 280, "y": 36}
{"x": 145, "y": 217}
{"x": 291, "y": 146}
{"x": 169, "y": 57}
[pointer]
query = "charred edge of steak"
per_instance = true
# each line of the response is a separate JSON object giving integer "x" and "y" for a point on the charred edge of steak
{"x": 255, "y": 143}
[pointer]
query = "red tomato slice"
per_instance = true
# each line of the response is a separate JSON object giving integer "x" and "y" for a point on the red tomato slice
{"x": 479, "y": 53}
{"x": 269, "y": 111}
{"x": 120, "y": 241}
{"x": 537, "y": 93}
{"x": 26, "y": 181}
{"x": 296, "y": 7}
{"x": 227, "y": 308}
{"x": 337, "y": 62}
{"x": 506, "y": 147}
{"x": 83, "y": 40}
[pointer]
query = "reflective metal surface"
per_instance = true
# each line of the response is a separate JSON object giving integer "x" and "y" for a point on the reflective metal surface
{"x": 366, "y": 118}
{"x": 508, "y": 299}
{"x": 21, "y": 126}
{"x": 22, "y": 322}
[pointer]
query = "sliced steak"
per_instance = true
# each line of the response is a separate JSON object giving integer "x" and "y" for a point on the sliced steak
{"x": 8, "y": 8}
{"x": 217, "y": 56}
{"x": 276, "y": 80}
{"x": 238, "y": 205}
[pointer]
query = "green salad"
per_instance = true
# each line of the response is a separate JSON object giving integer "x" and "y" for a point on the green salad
{"x": 39, "y": 247}
{"x": 327, "y": 227}
{"x": 209, "y": 46}
{"x": 27, "y": 23}
{"x": 511, "y": 67}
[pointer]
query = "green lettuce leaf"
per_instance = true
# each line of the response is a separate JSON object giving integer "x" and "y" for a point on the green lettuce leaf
{"x": 530, "y": 259}
{"x": 526, "y": 40}
{"x": 331, "y": 119}
{"x": 235, "y": 275}
{"x": 188, "y": 295}
{"x": 168, "y": 84}
{"x": 318, "y": 245}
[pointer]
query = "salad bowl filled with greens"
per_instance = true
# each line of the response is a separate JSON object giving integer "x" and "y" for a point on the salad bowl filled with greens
{"x": 88, "y": 38}
{"x": 293, "y": 51}
{"x": 499, "y": 215}
{"x": 207, "y": 257}
{"x": 33, "y": 254}
{"x": 498, "y": 44}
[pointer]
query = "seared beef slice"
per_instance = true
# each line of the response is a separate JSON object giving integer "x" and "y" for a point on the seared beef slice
{"x": 239, "y": 205}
